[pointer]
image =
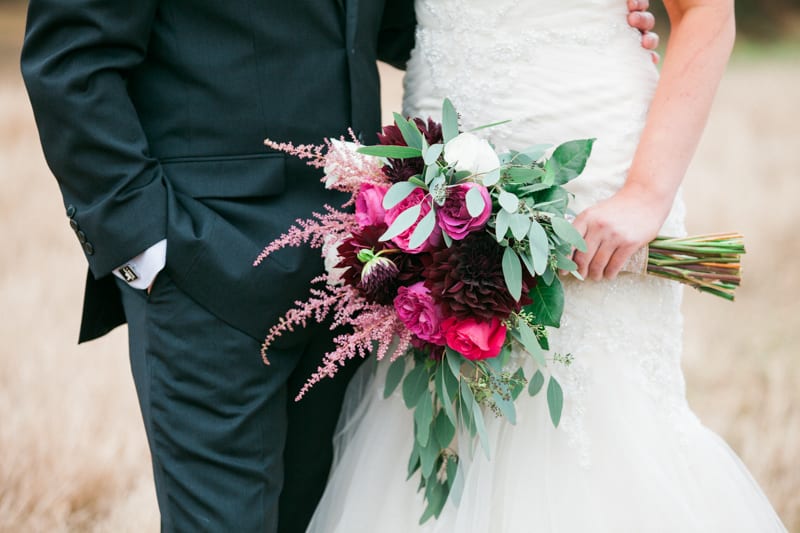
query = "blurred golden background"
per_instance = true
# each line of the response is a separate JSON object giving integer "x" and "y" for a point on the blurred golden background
{"x": 73, "y": 456}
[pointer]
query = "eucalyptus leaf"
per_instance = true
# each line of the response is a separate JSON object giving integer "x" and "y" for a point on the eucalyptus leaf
{"x": 508, "y": 201}
{"x": 391, "y": 152}
{"x": 454, "y": 361}
{"x": 423, "y": 230}
{"x": 540, "y": 247}
{"x": 568, "y": 233}
{"x": 411, "y": 133}
{"x": 413, "y": 461}
{"x": 431, "y": 173}
{"x": 427, "y": 457}
{"x": 528, "y": 262}
{"x": 405, "y": 220}
{"x": 394, "y": 376}
{"x": 531, "y": 343}
{"x": 476, "y": 203}
{"x": 519, "y": 386}
{"x": 512, "y": 272}
{"x": 536, "y": 383}
{"x": 468, "y": 406}
{"x": 436, "y": 497}
{"x": 480, "y": 428}
{"x": 537, "y": 151}
{"x": 564, "y": 263}
{"x": 502, "y": 223}
{"x": 444, "y": 429}
{"x": 448, "y": 241}
{"x": 423, "y": 416}
{"x": 555, "y": 400}
{"x": 491, "y": 177}
{"x": 432, "y": 153}
{"x": 443, "y": 391}
{"x": 449, "y": 121}
{"x": 506, "y": 407}
{"x": 415, "y": 385}
{"x": 397, "y": 193}
{"x": 519, "y": 225}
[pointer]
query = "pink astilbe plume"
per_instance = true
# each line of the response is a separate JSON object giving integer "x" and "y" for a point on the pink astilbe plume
{"x": 376, "y": 328}
{"x": 315, "y": 232}
{"x": 313, "y": 154}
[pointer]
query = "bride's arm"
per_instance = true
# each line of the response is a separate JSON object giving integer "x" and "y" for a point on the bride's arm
{"x": 699, "y": 46}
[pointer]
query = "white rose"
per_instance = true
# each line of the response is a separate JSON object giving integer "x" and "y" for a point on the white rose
{"x": 331, "y": 260}
{"x": 332, "y": 168}
{"x": 471, "y": 153}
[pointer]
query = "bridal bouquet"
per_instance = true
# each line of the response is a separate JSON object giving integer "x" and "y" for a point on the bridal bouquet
{"x": 448, "y": 266}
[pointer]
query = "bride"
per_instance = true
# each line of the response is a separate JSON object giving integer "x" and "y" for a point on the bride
{"x": 629, "y": 455}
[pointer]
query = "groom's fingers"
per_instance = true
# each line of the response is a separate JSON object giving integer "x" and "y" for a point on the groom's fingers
{"x": 638, "y": 5}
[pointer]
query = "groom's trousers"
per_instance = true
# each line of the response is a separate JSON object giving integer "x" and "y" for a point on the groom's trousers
{"x": 231, "y": 450}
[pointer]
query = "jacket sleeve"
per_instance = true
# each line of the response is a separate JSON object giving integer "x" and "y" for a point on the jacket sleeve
{"x": 396, "y": 37}
{"x": 76, "y": 57}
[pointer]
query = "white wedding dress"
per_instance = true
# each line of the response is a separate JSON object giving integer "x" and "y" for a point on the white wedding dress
{"x": 629, "y": 455}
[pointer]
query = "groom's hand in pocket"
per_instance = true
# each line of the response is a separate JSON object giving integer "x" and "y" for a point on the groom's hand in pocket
{"x": 641, "y": 19}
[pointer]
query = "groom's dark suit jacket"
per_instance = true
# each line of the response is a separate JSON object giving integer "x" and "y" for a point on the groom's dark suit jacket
{"x": 152, "y": 115}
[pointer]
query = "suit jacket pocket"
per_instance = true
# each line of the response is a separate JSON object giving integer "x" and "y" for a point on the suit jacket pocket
{"x": 252, "y": 176}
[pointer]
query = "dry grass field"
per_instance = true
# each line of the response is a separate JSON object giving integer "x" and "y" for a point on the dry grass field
{"x": 72, "y": 450}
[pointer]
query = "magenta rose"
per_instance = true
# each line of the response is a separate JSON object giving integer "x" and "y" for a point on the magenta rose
{"x": 475, "y": 339}
{"x": 402, "y": 241}
{"x": 369, "y": 205}
{"x": 420, "y": 314}
{"x": 454, "y": 218}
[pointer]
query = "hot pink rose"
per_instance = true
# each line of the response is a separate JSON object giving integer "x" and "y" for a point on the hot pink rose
{"x": 369, "y": 205}
{"x": 475, "y": 339}
{"x": 420, "y": 314}
{"x": 454, "y": 218}
{"x": 402, "y": 240}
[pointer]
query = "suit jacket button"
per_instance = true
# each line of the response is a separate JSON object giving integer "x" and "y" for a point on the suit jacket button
{"x": 74, "y": 224}
{"x": 71, "y": 211}
{"x": 81, "y": 237}
{"x": 88, "y": 248}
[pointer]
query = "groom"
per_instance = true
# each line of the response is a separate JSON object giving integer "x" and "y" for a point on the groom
{"x": 151, "y": 115}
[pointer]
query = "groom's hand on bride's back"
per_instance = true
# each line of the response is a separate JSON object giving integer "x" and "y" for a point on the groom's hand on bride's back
{"x": 640, "y": 18}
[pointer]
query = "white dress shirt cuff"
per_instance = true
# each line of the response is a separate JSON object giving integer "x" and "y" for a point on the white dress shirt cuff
{"x": 140, "y": 271}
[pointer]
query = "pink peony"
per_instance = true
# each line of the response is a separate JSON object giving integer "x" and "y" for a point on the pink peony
{"x": 475, "y": 339}
{"x": 402, "y": 241}
{"x": 454, "y": 218}
{"x": 369, "y": 205}
{"x": 420, "y": 314}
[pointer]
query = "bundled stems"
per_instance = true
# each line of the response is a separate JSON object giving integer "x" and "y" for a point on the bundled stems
{"x": 709, "y": 263}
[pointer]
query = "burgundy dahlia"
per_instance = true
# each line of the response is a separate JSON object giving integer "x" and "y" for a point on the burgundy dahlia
{"x": 402, "y": 169}
{"x": 376, "y": 277}
{"x": 467, "y": 279}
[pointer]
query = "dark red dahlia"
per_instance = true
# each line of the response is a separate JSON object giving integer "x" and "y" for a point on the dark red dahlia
{"x": 402, "y": 169}
{"x": 375, "y": 276}
{"x": 467, "y": 279}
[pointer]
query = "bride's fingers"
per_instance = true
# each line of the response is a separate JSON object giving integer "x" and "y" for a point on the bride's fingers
{"x": 585, "y": 259}
{"x": 598, "y": 264}
{"x": 617, "y": 261}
